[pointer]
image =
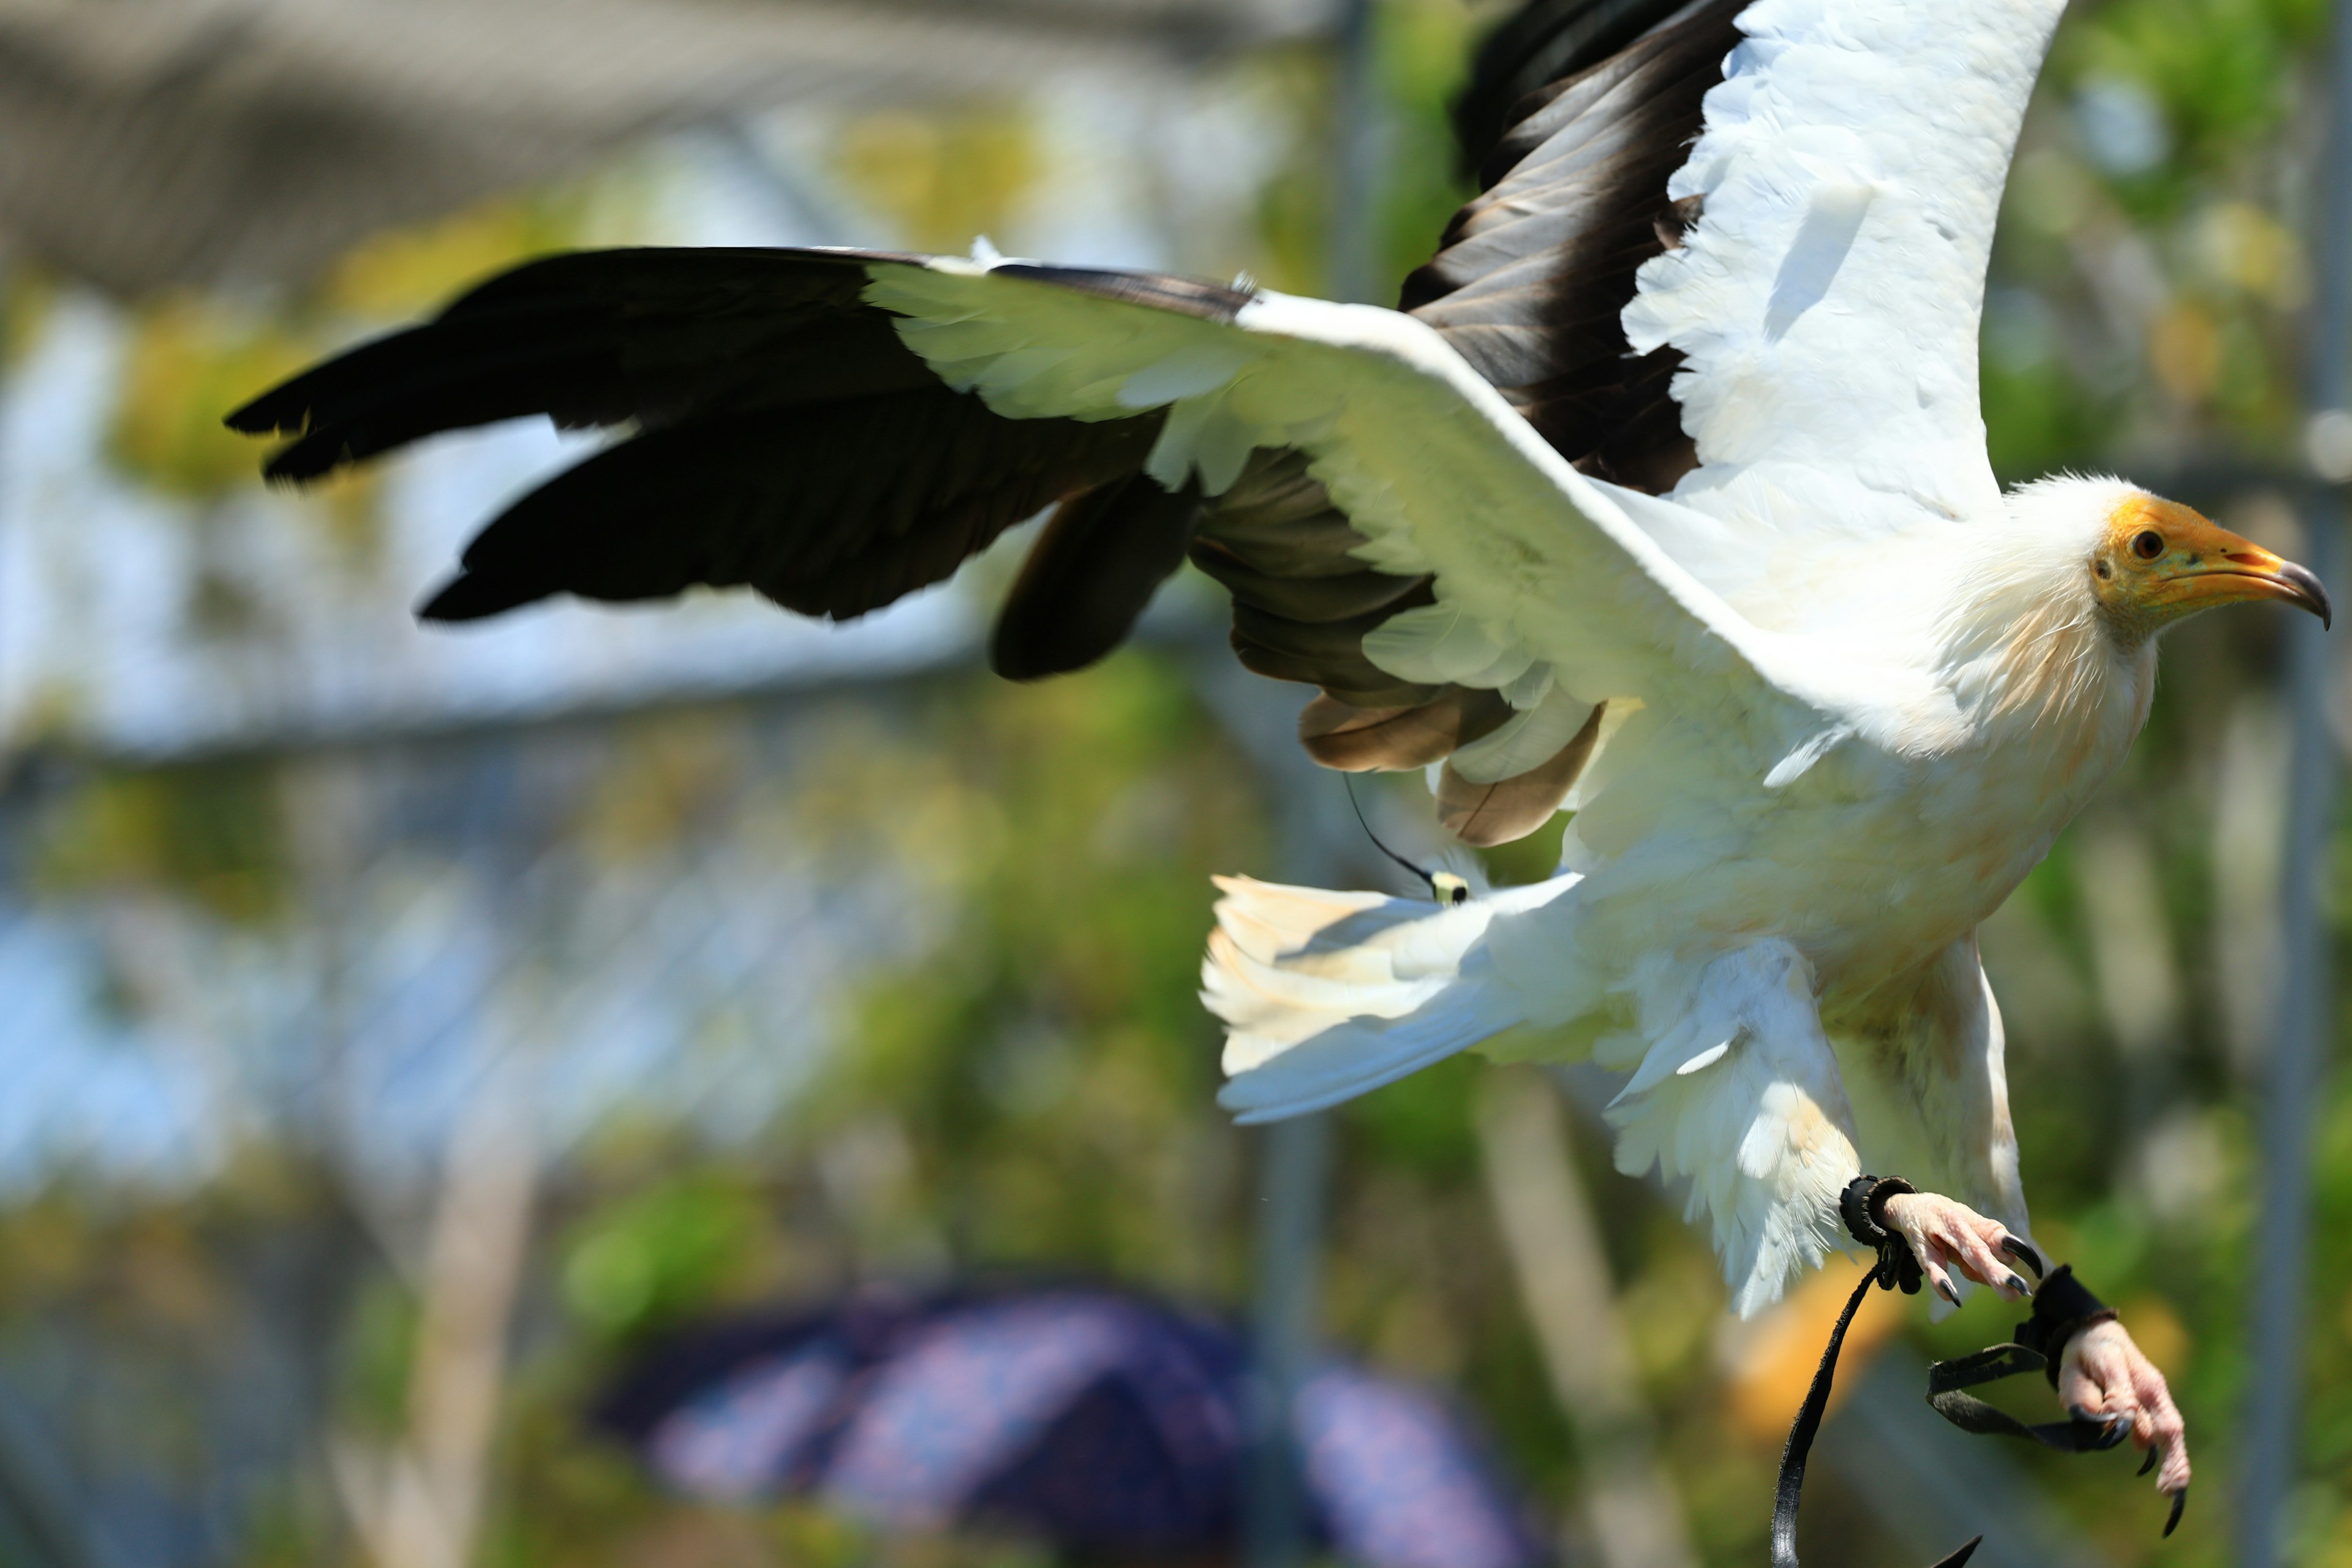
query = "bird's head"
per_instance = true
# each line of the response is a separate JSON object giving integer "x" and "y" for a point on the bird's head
{"x": 2155, "y": 562}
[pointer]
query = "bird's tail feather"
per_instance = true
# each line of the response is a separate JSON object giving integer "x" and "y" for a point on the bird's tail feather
{"x": 1327, "y": 995}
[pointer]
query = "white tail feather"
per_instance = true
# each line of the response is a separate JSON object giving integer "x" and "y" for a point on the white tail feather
{"x": 1325, "y": 996}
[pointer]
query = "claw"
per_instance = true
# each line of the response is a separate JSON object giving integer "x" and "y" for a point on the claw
{"x": 2017, "y": 1283}
{"x": 2106, "y": 1431}
{"x": 1944, "y": 1289}
{"x": 2172, "y": 1520}
{"x": 2023, "y": 1254}
{"x": 2147, "y": 1463}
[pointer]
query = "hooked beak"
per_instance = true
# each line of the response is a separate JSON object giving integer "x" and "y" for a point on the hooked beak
{"x": 2219, "y": 567}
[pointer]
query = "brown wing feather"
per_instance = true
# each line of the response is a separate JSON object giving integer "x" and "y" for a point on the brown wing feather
{"x": 1398, "y": 740}
{"x": 1484, "y": 815}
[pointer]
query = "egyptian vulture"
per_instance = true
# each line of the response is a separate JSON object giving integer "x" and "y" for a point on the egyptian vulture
{"x": 1662, "y": 499}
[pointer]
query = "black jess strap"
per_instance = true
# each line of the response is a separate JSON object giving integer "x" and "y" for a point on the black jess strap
{"x": 2062, "y": 1307}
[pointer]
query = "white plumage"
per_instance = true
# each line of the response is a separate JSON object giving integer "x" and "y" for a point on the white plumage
{"x": 1857, "y": 691}
{"x": 1746, "y": 599}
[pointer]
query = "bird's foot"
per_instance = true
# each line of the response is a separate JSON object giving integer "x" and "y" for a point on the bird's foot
{"x": 1945, "y": 1234}
{"x": 2103, "y": 1377}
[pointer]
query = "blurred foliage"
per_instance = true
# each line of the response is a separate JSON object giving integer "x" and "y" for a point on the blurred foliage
{"x": 210, "y": 833}
{"x": 189, "y": 359}
{"x": 2150, "y": 276}
{"x": 192, "y": 357}
{"x": 1421, "y": 58}
{"x": 660, "y": 1252}
{"x": 943, "y": 176}
{"x": 410, "y": 271}
{"x": 1048, "y": 1070}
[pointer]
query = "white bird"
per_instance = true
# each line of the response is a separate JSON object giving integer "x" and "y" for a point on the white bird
{"x": 1665, "y": 500}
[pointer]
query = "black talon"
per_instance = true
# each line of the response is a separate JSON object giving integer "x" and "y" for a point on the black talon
{"x": 1944, "y": 1289}
{"x": 2097, "y": 1434}
{"x": 2147, "y": 1463}
{"x": 2172, "y": 1520}
{"x": 2017, "y": 1283}
{"x": 2023, "y": 1254}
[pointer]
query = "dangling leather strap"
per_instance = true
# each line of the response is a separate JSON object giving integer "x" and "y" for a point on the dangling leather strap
{"x": 1861, "y": 1204}
{"x": 2062, "y": 1307}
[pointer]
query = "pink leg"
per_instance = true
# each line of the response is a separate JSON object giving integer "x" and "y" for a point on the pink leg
{"x": 2104, "y": 1376}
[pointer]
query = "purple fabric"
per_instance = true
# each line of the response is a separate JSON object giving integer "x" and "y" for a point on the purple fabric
{"x": 744, "y": 1439}
{"x": 1101, "y": 1421}
{"x": 1399, "y": 1484}
{"x": 968, "y": 1390}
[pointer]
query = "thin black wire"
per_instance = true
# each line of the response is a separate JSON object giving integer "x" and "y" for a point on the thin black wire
{"x": 1428, "y": 878}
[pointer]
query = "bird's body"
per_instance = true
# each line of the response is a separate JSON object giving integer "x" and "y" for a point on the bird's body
{"x": 1876, "y": 857}
{"x": 1663, "y": 500}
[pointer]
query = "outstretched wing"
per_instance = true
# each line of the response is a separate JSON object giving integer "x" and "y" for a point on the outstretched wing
{"x": 1578, "y": 114}
{"x": 1004, "y": 386}
{"x": 788, "y": 439}
{"x": 1541, "y": 587}
{"x": 1825, "y": 294}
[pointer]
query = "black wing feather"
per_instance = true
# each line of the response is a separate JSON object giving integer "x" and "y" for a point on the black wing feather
{"x": 832, "y": 512}
{"x": 1535, "y": 271}
{"x": 781, "y": 436}
{"x": 1100, "y": 559}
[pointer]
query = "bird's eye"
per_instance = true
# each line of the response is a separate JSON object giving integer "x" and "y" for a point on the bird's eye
{"x": 2148, "y": 545}
{"x": 1460, "y": 895}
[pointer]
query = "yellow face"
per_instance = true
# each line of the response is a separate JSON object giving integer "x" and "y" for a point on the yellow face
{"x": 2160, "y": 560}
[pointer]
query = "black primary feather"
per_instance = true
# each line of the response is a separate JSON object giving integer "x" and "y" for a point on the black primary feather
{"x": 1534, "y": 273}
{"x": 776, "y": 432}
{"x": 831, "y": 511}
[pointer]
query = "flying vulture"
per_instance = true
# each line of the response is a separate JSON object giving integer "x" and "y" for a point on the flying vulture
{"x": 1663, "y": 498}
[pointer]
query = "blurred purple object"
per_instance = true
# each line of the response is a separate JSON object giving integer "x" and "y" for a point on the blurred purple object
{"x": 1098, "y": 1420}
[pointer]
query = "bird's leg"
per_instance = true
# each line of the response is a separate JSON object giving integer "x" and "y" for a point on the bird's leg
{"x": 2103, "y": 1377}
{"x": 1945, "y": 1234}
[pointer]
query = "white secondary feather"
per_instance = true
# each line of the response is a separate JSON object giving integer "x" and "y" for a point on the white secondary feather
{"x": 1533, "y": 563}
{"x": 1826, "y": 302}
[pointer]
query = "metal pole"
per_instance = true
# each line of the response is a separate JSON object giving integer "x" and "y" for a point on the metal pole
{"x": 1357, "y": 131}
{"x": 1294, "y": 1158}
{"x": 2299, "y": 1049}
{"x": 1295, "y": 1163}
{"x": 1296, "y": 1155}
{"x": 1630, "y": 1504}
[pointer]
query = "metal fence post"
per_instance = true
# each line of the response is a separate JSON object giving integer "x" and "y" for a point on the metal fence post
{"x": 2300, "y": 1045}
{"x": 1296, "y": 1155}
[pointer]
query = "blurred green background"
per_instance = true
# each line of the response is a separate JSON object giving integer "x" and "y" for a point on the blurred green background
{"x": 877, "y": 968}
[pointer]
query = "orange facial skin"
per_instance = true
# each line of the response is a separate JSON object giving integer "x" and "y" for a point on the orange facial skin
{"x": 2162, "y": 560}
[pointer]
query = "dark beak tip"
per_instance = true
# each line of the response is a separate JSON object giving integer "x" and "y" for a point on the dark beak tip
{"x": 2314, "y": 591}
